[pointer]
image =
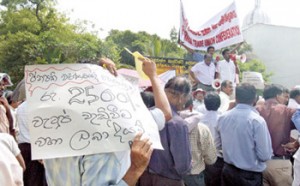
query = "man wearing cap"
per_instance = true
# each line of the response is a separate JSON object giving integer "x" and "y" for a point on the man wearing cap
{"x": 203, "y": 74}
{"x": 198, "y": 99}
{"x": 6, "y": 120}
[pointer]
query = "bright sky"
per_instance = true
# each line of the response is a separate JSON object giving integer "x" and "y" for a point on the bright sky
{"x": 159, "y": 16}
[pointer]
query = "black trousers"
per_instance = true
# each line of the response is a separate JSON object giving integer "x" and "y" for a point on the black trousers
{"x": 233, "y": 176}
{"x": 212, "y": 173}
{"x": 34, "y": 174}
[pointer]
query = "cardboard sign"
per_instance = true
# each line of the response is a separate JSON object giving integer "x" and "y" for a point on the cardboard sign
{"x": 254, "y": 78}
{"x": 80, "y": 109}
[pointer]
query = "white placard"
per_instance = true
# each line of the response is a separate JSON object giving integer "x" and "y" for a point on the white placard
{"x": 220, "y": 31}
{"x": 254, "y": 78}
{"x": 80, "y": 109}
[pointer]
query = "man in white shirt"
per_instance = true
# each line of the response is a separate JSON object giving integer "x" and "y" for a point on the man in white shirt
{"x": 203, "y": 74}
{"x": 11, "y": 161}
{"x": 294, "y": 101}
{"x": 227, "y": 69}
{"x": 225, "y": 93}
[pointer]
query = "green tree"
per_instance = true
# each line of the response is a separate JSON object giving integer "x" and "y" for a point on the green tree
{"x": 174, "y": 35}
{"x": 33, "y": 32}
{"x": 255, "y": 65}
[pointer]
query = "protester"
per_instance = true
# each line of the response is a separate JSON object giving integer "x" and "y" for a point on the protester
{"x": 6, "y": 119}
{"x": 294, "y": 146}
{"x": 212, "y": 173}
{"x": 13, "y": 105}
{"x": 227, "y": 69}
{"x": 245, "y": 141}
{"x": 168, "y": 166}
{"x": 35, "y": 171}
{"x": 225, "y": 93}
{"x": 111, "y": 168}
{"x": 278, "y": 118}
{"x": 286, "y": 95}
{"x": 11, "y": 161}
{"x": 203, "y": 74}
{"x": 198, "y": 100}
{"x": 294, "y": 101}
{"x": 202, "y": 147}
{"x": 197, "y": 55}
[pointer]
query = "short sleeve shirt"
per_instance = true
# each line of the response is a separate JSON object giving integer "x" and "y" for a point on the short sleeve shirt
{"x": 226, "y": 70}
{"x": 204, "y": 73}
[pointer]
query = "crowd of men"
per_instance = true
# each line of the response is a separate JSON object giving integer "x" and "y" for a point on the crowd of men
{"x": 211, "y": 136}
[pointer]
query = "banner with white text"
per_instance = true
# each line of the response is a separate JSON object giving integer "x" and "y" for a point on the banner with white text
{"x": 81, "y": 109}
{"x": 220, "y": 31}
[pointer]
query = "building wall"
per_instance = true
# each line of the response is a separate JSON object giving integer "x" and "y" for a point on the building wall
{"x": 278, "y": 47}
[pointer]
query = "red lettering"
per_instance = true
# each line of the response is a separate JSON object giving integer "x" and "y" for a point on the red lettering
{"x": 210, "y": 41}
{"x": 227, "y": 34}
{"x": 187, "y": 37}
{"x": 198, "y": 43}
{"x": 214, "y": 26}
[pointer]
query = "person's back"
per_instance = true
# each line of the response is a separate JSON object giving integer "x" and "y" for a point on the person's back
{"x": 244, "y": 139}
{"x": 202, "y": 145}
{"x": 166, "y": 162}
{"x": 239, "y": 127}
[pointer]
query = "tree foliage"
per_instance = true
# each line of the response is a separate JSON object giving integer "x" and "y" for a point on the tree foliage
{"x": 33, "y": 32}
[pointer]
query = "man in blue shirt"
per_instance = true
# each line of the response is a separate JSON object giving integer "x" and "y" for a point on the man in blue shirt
{"x": 243, "y": 136}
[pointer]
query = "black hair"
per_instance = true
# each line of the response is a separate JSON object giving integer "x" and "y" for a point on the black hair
{"x": 179, "y": 85}
{"x": 8, "y": 95}
{"x": 207, "y": 55}
{"x": 189, "y": 102}
{"x": 246, "y": 93}
{"x": 225, "y": 83}
{"x": 210, "y": 48}
{"x": 271, "y": 91}
{"x": 224, "y": 51}
{"x": 286, "y": 90}
{"x": 294, "y": 93}
{"x": 148, "y": 99}
{"x": 212, "y": 101}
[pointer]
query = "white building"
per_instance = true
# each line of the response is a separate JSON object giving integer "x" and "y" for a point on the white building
{"x": 276, "y": 46}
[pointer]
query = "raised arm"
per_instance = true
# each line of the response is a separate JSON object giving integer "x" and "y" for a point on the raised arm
{"x": 160, "y": 98}
{"x": 236, "y": 47}
{"x": 187, "y": 48}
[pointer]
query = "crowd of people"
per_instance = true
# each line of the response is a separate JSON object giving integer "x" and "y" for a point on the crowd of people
{"x": 211, "y": 135}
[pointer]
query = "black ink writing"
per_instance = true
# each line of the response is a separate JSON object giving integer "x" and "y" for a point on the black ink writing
{"x": 112, "y": 112}
{"x": 41, "y": 141}
{"x": 80, "y": 76}
{"x": 48, "y": 96}
{"x": 82, "y": 139}
{"x": 34, "y": 77}
{"x": 79, "y": 92}
{"x": 53, "y": 122}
